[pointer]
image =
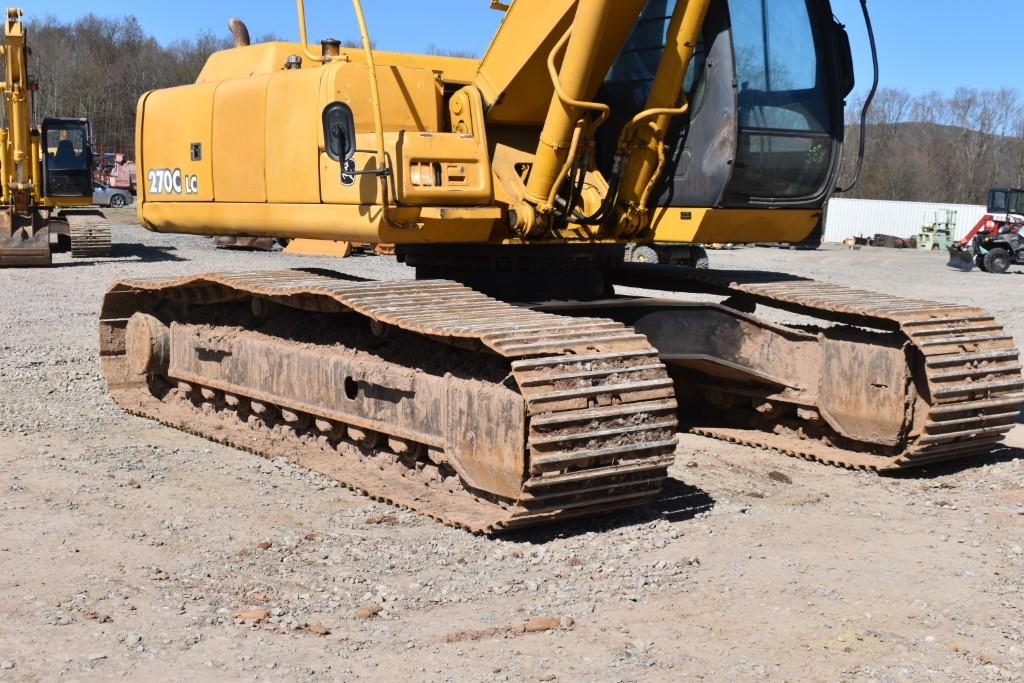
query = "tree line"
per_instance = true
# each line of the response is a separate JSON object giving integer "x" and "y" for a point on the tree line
{"x": 97, "y": 67}
{"x": 938, "y": 148}
{"x": 930, "y": 147}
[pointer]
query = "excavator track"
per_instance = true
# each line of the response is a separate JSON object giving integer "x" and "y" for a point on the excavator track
{"x": 591, "y": 408}
{"x": 89, "y": 233}
{"x": 967, "y": 376}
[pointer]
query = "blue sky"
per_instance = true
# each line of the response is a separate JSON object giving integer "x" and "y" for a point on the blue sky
{"x": 917, "y": 38}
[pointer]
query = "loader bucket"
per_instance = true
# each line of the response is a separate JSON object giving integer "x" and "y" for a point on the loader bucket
{"x": 961, "y": 258}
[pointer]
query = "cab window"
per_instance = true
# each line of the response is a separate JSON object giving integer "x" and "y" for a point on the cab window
{"x": 1016, "y": 202}
{"x": 785, "y": 144}
{"x": 66, "y": 149}
{"x": 998, "y": 201}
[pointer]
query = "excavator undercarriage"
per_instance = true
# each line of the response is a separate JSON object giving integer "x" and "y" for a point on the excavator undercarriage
{"x": 492, "y": 416}
{"x": 894, "y": 383}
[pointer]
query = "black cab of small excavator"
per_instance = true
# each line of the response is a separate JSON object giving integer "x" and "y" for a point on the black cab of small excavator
{"x": 67, "y": 159}
{"x": 1006, "y": 201}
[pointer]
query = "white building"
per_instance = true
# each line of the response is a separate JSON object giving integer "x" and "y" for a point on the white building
{"x": 868, "y": 217}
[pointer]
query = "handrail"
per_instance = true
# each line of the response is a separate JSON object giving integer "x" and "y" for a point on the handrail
{"x": 378, "y": 118}
{"x": 663, "y": 111}
{"x": 627, "y": 130}
{"x": 309, "y": 54}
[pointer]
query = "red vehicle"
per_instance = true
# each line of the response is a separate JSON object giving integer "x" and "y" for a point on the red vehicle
{"x": 1005, "y": 217}
{"x": 122, "y": 174}
{"x": 116, "y": 170}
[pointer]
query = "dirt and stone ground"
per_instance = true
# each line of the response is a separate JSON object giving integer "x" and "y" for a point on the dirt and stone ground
{"x": 130, "y": 550}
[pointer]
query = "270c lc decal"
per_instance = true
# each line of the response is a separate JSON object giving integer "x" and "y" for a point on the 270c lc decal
{"x": 167, "y": 181}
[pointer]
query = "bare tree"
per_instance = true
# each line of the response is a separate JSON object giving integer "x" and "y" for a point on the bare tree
{"x": 434, "y": 49}
{"x": 934, "y": 147}
{"x": 98, "y": 68}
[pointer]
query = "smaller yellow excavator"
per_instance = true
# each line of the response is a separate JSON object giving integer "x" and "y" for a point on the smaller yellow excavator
{"x": 45, "y": 172}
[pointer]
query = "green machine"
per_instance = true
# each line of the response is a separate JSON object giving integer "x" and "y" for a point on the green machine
{"x": 938, "y": 235}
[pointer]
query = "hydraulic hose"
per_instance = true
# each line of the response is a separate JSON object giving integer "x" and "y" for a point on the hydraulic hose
{"x": 867, "y": 102}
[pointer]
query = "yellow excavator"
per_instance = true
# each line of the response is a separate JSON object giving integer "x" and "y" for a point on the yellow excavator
{"x": 45, "y": 172}
{"x": 508, "y": 384}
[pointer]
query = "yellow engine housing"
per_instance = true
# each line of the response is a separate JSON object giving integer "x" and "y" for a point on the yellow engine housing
{"x": 242, "y": 151}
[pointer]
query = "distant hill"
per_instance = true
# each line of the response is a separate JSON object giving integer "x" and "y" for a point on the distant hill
{"x": 923, "y": 155}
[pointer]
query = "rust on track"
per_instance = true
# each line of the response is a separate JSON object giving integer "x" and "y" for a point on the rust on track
{"x": 967, "y": 373}
{"x": 599, "y": 424}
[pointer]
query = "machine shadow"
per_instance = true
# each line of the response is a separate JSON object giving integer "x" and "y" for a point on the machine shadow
{"x": 144, "y": 253}
{"x": 677, "y": 502}
{"x": 323, "y": 272}
{"x": 139, "y": 253}
{"x": 997, "y": 455}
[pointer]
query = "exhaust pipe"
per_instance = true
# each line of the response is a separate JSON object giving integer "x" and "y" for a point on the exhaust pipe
{"x": 330, "y": 48}
{"x": 239, "y": 31}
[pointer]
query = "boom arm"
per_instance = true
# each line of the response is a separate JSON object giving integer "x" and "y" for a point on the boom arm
{"x": 16, "y": 141}
{"x": 566, "y": 137}
{"x": 643, "y": 140}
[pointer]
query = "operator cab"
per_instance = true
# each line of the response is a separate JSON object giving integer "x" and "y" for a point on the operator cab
{"x": 67, "y": 158}
{"x": 767, "y": 89}
{"x": 1006, "y": 202}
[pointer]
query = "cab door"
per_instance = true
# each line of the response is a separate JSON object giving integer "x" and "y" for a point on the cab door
{"x": 766, "y": 89}
{"x": 67, "y": 158}
{"x": 789, "y": 102}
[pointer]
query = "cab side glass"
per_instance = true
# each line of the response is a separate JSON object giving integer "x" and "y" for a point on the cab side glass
{"x": 1016, "y": 202}
{"x": 998, "y": 201}
{"x": 67, "y": 158}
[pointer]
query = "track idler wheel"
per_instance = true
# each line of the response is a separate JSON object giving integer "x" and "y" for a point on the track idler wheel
{"x": 147, "y": 344}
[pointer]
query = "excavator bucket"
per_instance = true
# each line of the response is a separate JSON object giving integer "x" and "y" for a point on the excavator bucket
{"x": 961, "y": 258}
{"x": 24, "y": 241}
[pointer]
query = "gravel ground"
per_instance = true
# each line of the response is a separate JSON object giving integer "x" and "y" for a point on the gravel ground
{"x": 129, "y": 550}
